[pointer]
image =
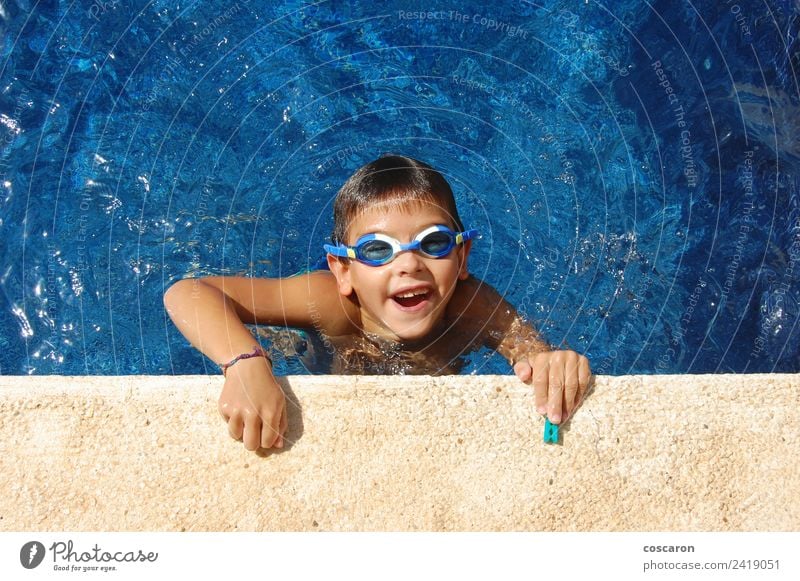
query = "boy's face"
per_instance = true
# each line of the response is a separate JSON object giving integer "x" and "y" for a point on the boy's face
{"x": 384, "y": 292}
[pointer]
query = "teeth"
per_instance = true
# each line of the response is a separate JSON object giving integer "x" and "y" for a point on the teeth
{"x": 410, "y": 294}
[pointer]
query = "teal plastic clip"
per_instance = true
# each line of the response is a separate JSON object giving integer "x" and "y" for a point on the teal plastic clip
{"x": 550, "y": 432}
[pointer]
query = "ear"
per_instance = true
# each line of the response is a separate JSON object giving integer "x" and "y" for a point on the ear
{"x": 463, "y": 273}
{"x": 341, "y": 270}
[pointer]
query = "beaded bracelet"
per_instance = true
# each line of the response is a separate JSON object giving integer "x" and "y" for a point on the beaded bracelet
{"x": 256, "y": 352}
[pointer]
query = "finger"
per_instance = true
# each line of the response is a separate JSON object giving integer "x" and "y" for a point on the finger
{"x": 235, "y": 426}
{"x": 556, "y": 387}
{"x": 523, "y": 370}
{"x": 252, "y": 432}
{"x": 584, "y": 377}
{"x": 223, "y": 410}
{"x": 571, "y": 384}
{"x": 269, "y": 431}
{"x": 540, "y": 372}
{"x": 283, "y": 427}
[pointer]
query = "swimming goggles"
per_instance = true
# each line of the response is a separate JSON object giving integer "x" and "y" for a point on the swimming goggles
{"x": 377, "y": 249}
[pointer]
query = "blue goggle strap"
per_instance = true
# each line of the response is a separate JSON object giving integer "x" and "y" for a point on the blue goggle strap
{"x": 340, "y": 250}
{"x": 462, "y": 237}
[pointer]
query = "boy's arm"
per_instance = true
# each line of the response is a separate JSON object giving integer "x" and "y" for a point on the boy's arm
{"x": 212, "y": 312}
{"x": 560, "y": 378}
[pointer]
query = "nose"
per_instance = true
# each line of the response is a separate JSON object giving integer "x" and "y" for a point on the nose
{"x": 407, "y": 261}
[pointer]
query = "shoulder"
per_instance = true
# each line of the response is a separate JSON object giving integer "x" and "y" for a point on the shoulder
{"x": 474, "y": 301}
{"x": 473, "y": 296}
{"x": 478, "y": 307}
{"x": 330, "y": 311}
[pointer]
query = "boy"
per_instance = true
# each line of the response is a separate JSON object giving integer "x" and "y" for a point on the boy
{"x": 398, "y": 286}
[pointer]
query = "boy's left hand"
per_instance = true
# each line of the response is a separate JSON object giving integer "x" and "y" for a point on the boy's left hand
{"x": 560, "y": 380}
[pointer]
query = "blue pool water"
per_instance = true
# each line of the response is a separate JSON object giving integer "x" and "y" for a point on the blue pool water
{"x": 633, "y": 166}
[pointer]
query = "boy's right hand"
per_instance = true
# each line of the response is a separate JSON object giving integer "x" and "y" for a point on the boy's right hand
{"x": 253, "y": 405}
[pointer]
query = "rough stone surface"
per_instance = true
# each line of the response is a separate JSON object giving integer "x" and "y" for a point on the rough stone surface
{"x": 644, "y": 453}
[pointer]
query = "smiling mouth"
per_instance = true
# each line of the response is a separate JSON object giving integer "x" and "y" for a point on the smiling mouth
{"x": 412, "y": 299}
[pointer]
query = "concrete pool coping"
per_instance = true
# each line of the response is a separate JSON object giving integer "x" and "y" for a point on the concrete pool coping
{"x": 380, "y": 453}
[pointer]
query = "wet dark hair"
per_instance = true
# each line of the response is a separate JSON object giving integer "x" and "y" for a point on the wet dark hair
{"x": 391, "y": 180}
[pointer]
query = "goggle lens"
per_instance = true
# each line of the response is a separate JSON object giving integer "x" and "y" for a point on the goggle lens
{"x": 437, "y": 244}
{"x": 376, "y": 250}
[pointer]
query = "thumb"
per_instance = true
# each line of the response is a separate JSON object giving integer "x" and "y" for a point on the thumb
{"x": 523, "y": 370}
